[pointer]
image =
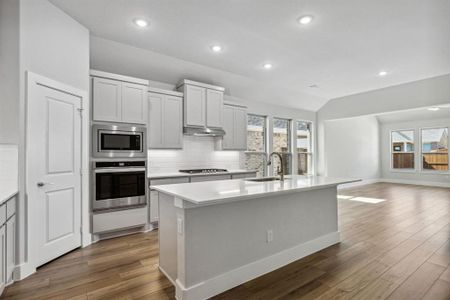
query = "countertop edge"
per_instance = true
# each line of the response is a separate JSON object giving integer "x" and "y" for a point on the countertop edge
{"x": 4, "y": 198}
{"x": 246, "y": 197}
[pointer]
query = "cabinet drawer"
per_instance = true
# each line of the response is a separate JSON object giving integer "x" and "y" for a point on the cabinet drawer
{"x": 210, "y": 178}
{"x": 10, "y": 207}
{"x": 121, "y": 219}
{"x": 244, "y": 175}
{"x": 2, "y": 214}
{"x": 169, "y": 181}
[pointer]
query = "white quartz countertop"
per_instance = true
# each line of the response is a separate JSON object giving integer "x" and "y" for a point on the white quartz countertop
{"x": 158, "y": 175}
{"x": 8, "y": 188}
{"x": 212, "y": 192}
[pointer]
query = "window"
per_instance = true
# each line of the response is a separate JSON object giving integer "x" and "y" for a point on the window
{"x": 434, "y": 149}
{"x": 255, "y": 157}
{"x": 402, "y": 148}
{"x": 304, "y": 147}
{"x": 282, "y": 144}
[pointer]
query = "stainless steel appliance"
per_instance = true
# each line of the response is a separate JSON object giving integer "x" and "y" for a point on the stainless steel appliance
{"x": 122, "y": 141}
{"x": 119, "y": 184}
{"x": 207, "y": 171}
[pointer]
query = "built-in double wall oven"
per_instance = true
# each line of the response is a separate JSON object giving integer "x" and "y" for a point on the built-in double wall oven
{"x": 119, "y": 167}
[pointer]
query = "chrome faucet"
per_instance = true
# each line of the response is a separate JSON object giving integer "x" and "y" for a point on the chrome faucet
{"x": 280, "y": 169}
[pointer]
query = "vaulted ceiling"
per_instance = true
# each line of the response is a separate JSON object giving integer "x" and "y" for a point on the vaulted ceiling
{"x": 339, "y": 53}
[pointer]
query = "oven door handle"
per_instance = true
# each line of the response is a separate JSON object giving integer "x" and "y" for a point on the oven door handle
{"x": 118, "y": 170}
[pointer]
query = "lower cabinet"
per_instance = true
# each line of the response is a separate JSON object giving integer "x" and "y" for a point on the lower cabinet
{"x": 2, "y": 257}
{"x": 7, "y": 242}
{"x": 154, "y": 195}
{"x": 10, "y": 248}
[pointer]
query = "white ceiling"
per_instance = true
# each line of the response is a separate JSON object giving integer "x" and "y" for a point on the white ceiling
{"x": 341, "y": 51}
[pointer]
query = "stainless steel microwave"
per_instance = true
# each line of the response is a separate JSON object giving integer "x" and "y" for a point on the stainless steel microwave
{"x": 118, "y": 141}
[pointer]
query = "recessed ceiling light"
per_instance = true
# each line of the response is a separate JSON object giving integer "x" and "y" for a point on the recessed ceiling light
{"x": 267, "y": 66}
{"x": 305, "y": 20}
{"x": 433, "y": 108}
{"x": 216, "y": 48}
{"x": 141, "y": 23}
{"x": 382, "y": 73}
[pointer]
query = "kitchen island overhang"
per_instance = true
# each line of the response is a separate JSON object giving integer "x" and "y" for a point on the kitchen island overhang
{"x": 216, "y": 235}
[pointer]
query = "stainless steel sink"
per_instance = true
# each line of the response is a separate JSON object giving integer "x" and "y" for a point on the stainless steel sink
{"x": 262, "y": 179}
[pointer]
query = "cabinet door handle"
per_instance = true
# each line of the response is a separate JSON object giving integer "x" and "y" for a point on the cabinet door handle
{"x": 41, "y": 184}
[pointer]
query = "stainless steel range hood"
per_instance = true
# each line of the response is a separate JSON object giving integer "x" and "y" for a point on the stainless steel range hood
{"x": 203, "y": 131}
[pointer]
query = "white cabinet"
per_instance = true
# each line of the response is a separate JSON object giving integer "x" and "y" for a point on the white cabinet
{"x": 154, "y": 195}
{"x": 134, "y": 103}
{"x": 243, "y": 175}
{"x": 10, "y": 247}
{"x": 106, "y": 99}
{"x": 203, "y": 104}
{"x": 194, "y": 106}
{"x": 7, "y": 241}
{"x": 154, "y": 206}
{"x": 235, "y": 126}
{"x": 210, "y": 178}
{"x": 214, "y": 108}
{"x": 117, "y": 98}
{"x": 2, "y": 257}
{"x": 165, "y": 120}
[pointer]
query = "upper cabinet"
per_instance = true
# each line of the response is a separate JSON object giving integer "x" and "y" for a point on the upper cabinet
{"x": 235, "y": 126}
{"x": 203, "y": 104}
{"x": 165, "y": 119}
{"x": 117, "y": 98}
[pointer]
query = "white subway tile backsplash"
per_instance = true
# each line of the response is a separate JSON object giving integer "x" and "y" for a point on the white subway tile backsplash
{"x": 197, "y": 152}
{"x": 9, "y": 159}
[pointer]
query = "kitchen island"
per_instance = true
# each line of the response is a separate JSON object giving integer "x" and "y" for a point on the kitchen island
{"x": 217, "y": 235}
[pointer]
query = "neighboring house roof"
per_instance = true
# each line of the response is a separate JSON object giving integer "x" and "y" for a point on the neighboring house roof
{"x": 402, "y": 136}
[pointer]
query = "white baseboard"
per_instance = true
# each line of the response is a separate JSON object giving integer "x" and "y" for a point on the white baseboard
{"x": 252, "y": 270}
{"x": 416, "y": 182}
{"x": 22, "y": 271}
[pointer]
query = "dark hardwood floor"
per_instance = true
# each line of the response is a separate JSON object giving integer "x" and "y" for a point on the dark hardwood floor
{"x": 395, "y": 245}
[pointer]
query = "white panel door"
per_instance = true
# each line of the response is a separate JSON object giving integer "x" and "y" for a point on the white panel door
{"x": 107, "y": 98}
{"x": 53, "y": 172}
{"x": 134, "y": 103}
{"x": 155, "y": 120}
{"x": 173, "y": 122}
{"x": 240, "y": 128}
{"x": 214, "y": 108}
{"x": 228, "y": 126}
{"x": 194, "y": 106}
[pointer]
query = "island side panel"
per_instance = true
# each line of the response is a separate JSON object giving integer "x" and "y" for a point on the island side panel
{"x": 168, "y": 236}
{"x": 220, "y": 240}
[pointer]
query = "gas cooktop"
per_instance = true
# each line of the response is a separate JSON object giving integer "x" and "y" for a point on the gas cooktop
{"x": 208, "y": 171}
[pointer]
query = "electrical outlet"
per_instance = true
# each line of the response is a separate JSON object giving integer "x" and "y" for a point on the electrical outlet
{"x": 269, "y": 235}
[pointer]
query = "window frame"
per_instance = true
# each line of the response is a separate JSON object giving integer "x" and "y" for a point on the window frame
{"x": 266, "y": 141}
{"x": 405, "y": 170}
{"x": 289, "y": 140}
{"x": 421, "y": 151}
{"x": 311, "y": 146}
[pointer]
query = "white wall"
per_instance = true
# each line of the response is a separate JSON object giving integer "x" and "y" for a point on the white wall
{"x": 416, "y": 176}
{"x": 9, "y": 72}
{"x": 352, "y": 148}
{"x": 53, "y": 45}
